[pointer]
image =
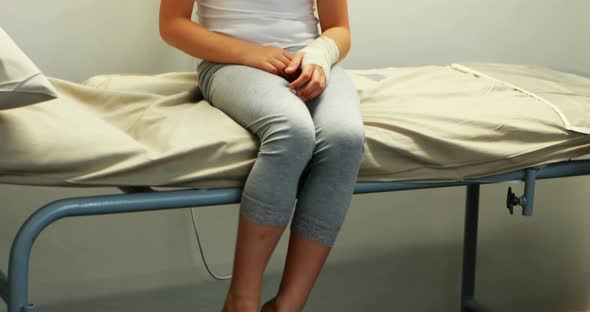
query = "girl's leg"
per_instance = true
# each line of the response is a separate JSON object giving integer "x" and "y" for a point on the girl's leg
{"x": 327, "y": 189}
{"x": 262, "y": 103}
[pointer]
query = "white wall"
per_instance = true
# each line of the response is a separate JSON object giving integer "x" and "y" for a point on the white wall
{"x": 77, "y": 39}
{"x": 397, "y": 251}
{"x": 553, "y": 33}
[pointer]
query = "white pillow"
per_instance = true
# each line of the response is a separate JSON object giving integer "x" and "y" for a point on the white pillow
{"x": 21, "y": 82}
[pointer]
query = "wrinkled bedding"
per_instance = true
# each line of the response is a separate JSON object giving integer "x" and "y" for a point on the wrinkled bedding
{"x": 422, "y": 124}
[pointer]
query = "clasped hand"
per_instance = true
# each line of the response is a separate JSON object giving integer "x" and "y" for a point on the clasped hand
{"x": 307, "y": 81}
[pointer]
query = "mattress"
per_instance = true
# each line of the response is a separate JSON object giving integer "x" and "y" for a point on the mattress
{"x": 422, "y": 124}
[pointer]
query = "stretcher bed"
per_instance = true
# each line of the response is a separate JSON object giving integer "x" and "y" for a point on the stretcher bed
{"x": 463, "y": 124}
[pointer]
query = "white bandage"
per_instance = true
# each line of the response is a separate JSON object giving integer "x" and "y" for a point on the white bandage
{"x": 323, "y": 52}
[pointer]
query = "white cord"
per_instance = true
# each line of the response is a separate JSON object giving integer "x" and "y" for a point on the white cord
{"x": 201, "y": 249}
{"x": 195, "y": 65}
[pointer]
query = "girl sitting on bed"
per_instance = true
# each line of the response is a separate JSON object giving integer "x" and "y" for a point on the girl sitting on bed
{"x": 266, "y": 65}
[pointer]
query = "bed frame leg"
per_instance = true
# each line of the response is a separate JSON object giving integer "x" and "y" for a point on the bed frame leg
{"x": 529, "y": 191}
{"x": 468, "y": 302}
{"x": 3, "y": 287}
{"x": 4, "y": 293}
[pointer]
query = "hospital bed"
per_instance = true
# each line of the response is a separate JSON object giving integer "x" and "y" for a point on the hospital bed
{"x": 426, "y": 127}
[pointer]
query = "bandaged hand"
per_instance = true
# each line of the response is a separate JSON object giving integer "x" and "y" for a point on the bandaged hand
{"x": 316, "y": 61}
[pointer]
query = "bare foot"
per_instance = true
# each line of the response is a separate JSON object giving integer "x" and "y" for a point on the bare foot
{"x": 275, "y": 305}
{"x": 233, "y": 305}
{"x": 269, "y": 306}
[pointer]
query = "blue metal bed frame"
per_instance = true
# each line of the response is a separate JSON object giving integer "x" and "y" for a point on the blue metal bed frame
{"x": 14, "y": 288}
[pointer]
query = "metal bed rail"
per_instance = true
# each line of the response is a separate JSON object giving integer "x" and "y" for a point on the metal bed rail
{"x": 14, "y": 287}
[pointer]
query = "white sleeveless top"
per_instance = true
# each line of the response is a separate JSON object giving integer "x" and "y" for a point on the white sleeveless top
{"x": 279, "y": 23}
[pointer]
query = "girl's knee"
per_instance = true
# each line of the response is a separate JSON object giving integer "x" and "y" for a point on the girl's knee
{"x": 303, "y": 138}
{"x": 348, "y": 138}
{"x": 295, "y": 137}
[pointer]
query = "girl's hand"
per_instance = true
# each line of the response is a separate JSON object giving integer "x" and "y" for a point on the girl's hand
{"x": 270, "y": 59}
{"x": 310, "y": 83}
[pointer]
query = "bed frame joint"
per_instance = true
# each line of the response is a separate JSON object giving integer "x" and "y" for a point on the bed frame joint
{"x": 527, "y": 200}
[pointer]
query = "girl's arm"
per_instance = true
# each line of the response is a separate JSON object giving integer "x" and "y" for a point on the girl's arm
{"x": 178, "y": 30}
{"x": 313, "y": 79}
{"x": 334, "y": 23}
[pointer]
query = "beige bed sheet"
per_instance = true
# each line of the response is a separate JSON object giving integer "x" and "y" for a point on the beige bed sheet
{"x": 422, "y": 124}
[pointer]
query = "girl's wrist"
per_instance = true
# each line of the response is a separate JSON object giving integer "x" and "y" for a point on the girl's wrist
{"x": 244, "y": 52}
{"x": 323, "y": 52}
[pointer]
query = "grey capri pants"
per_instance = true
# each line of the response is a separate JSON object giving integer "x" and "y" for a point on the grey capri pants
{"x": 309, "y": 154}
